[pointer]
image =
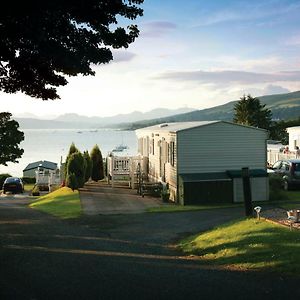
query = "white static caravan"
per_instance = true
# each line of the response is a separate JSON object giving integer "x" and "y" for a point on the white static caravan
{"x": 294, "y": 137}
{"x": 202, "y": 161}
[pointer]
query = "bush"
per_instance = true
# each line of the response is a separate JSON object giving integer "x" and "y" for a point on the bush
{"x": 2, "y": 179}
{"x": 275, "y": 185}
{"x": 28, "y": 180}
{"x": 72, "y": 182}
{"x": 77, "y": 166}
{"x": 97, "y": 170}
{"x": 89, "y": 166}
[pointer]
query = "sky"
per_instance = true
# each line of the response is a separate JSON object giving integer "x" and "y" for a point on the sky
{"x": 191, "y": 53}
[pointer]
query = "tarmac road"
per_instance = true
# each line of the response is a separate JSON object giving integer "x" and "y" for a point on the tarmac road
{"x": 118, "y": 257}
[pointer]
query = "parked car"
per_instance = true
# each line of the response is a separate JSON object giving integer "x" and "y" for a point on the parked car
{"x": 13, "y": 184}
{"x": 289, "y": 171}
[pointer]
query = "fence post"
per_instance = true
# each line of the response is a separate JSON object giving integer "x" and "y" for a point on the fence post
{"x": 247, "y": 192}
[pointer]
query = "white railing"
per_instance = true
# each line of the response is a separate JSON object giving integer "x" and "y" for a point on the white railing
{"x": 274, "y": 155}
{"x": 125, "y": 168}
{"x": 47, "y": 177}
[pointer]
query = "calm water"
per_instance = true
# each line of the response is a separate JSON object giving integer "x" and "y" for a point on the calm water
{"x": 52, "y": 144}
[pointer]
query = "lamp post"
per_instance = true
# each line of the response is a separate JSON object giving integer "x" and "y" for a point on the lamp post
{"x": 258, "y": 210}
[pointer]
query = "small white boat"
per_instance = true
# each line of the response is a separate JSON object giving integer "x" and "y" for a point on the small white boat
{"x": 120, "y": 148}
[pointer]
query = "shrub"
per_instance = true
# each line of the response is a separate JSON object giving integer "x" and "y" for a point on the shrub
{"x": 97, "y": 169}
{"x": 89, "y": 166}
{"x": 72, "y": 150}
{"x": 275, "y": 185}
{"x": 76, "y": 165}
{"x": 28, "y": 180}
{"x": 72, "y": 182}
{"x": 2, "y": 179}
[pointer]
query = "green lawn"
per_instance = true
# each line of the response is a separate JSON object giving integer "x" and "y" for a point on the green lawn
{"x": 289, "y": 200}
{"x": 182, "y": 208}
{"x": 62, "y": 203}
{"x": 248, "y": 245}
{"x": 28, "y": 187}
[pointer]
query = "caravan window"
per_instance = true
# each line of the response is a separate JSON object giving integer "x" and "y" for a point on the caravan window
{"x": 172, "y": 153}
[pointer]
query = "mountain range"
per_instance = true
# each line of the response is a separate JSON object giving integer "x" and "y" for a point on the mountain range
{"x": 283, "y": 107}
{"x": 72, "y": 120}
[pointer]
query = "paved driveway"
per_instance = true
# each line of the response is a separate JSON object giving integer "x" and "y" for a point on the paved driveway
{"x": 119, "y": 257}
{"x": 101, "y": 198}
{"x": 14, "y": 199}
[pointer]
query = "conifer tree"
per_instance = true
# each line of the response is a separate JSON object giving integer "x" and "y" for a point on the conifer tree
{"x": 97, "y": 170}
{"x": 76, "y": 165}
{"x": 72, "y": 150}
{"x": 89, "y": 165}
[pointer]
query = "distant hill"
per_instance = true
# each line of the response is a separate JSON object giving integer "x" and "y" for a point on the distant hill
{"x": 120, "y": 118}
{"x": 71, "y": 120}
{"x": 30, "y": 123}
{"x": 283, "y": 107}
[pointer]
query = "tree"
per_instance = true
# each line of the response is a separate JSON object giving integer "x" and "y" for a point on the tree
{"x": 278, "y": 131}
{"x": 97, "y": 170}
{"x": 40, "y": 42}
{"x": 89, "y": 165}
{"x": 249, "y": 111}
{"x": 72, "y": 182}
{"x": 72, "y": 150}
{"x": 10, "y": 138}
{"x": 76, "y": 165}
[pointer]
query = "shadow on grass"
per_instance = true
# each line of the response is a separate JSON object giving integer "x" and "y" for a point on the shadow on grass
{"x": 273, "y": 249}
{"x": 62, "y": 206}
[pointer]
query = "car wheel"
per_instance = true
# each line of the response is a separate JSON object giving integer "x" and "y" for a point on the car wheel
{"x": 286, "y": 186}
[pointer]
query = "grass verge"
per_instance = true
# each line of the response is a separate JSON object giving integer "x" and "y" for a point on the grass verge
{"x": 62, "y": 203}
{"x": 289, "y": 200}
{"x": 248, "y": 245}
{"x": 28, "y": 187}
{"x": 182, "y": 208}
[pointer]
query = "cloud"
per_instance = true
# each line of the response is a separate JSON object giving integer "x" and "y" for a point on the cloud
{"x": 157, "y": 28}
{"x": 230, "y": 77}
{"x": 122, "y": 56}
{"x": 293, "y": 40}
{"x": 255, "y": 11}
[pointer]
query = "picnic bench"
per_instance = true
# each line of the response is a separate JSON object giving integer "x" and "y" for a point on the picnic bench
{"x": 151, "y": 188}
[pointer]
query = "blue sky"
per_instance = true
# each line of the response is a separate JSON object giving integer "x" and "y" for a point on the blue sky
{"x": 190, "y": 53}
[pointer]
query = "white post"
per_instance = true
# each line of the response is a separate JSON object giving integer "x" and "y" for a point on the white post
{"x": 112, "y": 172}
{"x": 132, "y": 173}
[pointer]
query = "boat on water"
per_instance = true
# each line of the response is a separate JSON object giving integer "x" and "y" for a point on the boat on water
{"x": 120, "y": 148}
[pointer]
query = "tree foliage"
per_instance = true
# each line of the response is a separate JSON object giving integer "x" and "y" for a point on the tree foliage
{"x": 89, "y": 165}
{"x": 76, "y": 165}
{"x": 97, "y": 170}
{"x": 10, "y": 138}
{"x": 72, "y": 182}
{"x": 249, "y": 111}
{"x": 72, "y": 149}
{"x": 42, "y": 41}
